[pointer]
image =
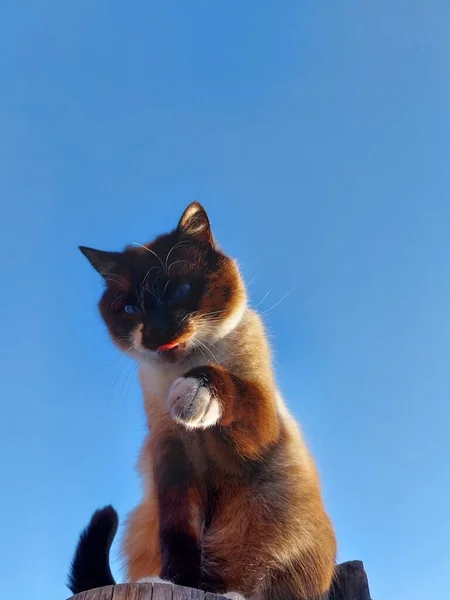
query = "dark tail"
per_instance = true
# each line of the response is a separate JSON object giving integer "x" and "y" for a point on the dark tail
{"x": 90, "y": 565}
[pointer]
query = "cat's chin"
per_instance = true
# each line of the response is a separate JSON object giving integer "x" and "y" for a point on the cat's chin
{"x": 171, "y": 356}
{"x": 168, "y": 357}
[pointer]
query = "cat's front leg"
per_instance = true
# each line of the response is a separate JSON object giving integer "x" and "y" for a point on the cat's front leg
{"x": 193, "y": 402}
{"x": 211, "y": 395}
{"x": 179, "y": 501}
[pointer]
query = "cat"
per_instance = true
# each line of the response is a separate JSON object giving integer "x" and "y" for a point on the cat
{"x": 231, "y": 497}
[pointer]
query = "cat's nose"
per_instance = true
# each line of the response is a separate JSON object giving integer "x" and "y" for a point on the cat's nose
{"x": 152, "y": 337}
{"x": 159, "y": 319}
{"x": 158, "y": 331}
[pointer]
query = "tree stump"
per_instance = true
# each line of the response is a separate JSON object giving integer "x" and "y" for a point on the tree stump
{"x": 350, "y": 584}
{"x": 145, "y": 591}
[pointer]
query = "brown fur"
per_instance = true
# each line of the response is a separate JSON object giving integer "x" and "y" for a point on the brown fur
{"x": 233, "y": 504}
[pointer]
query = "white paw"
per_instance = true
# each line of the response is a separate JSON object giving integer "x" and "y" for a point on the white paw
{"x": 152, "y": 579}
{"x": 192, "y": 404}
{"x": 233, "y": 596}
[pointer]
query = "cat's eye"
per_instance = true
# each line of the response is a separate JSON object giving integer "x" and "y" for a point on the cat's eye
{"x": 181, "y": 292}
{"x": 130, "y": 309}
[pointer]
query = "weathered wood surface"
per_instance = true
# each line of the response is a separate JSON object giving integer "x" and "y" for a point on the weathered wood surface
{"x": 350, "y": 584}
{"x": 145, "y": 591}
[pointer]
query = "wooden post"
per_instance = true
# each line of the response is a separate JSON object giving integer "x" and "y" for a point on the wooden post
{"x": 145, "y": 591}
{"x": 350, "y": 584}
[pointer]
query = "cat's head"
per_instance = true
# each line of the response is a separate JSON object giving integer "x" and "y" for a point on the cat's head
{"x": 172, "y": 296}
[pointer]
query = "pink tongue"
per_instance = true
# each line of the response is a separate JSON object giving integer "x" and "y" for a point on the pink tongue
{"x": 169, "y": 346}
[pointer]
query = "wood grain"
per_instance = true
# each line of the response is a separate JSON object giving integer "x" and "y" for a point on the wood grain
{"x": 133, "y": 591}
{"x": 162, "y": 591}
{"x": 197, "y": 595}
{"x": 104, "y": 593}
{"x": 350, "y": 584}
{"x": 209, "y": 596}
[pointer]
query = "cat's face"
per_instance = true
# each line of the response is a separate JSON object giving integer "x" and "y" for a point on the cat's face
{"x": 172, "y": 296}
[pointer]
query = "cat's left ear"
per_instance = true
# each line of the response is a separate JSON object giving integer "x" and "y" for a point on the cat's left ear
{"x": 103, "y": 262}
{"x": 194, "y": 222}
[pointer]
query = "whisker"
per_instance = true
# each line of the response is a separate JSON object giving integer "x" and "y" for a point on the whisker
{"x": 261, "y": 301}
{"x": 114, "y": 276}
{"x": 151, "y": 252}
{"x": 174, "y": 263}
{"x": 147, "y": 274}
{"x": 119, "y": 372}
{"x": 116, "y": 279}
{"x": 178, "y": 245}
{"x": 276, "y": 303}
{"x": 188, "y": 315}
{"x": 116, "y": 301}
{"x": 128, "y": 378}
{"x": 252, "y": 279}
{"x": 207, "y": 320}
{"x": 214, "y": 312}
{"x": 131, "y": 380}
{"x": 208, "y": 349}
{"x": 104, "y": 368}
{"x": 198, "y": 347}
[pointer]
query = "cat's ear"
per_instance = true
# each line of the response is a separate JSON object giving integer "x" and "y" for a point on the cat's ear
{"x": 194, "y": 222}
{"x": 103, "y": 262}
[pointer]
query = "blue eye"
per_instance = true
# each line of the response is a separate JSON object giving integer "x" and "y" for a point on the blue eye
{"x": 130, "y": 309}
{"x": 181, "y": 292}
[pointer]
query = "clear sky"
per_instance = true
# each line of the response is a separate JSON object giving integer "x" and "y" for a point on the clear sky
{"x": 316, "y": 134}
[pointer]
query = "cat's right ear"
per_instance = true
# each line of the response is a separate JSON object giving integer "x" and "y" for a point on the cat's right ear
{"x": 103, "y": 262}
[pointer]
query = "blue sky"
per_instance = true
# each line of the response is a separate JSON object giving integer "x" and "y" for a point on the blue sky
{"x": 316, "y": 134}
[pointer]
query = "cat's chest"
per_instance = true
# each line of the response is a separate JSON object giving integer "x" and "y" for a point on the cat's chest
{"x": 156, "y": 380}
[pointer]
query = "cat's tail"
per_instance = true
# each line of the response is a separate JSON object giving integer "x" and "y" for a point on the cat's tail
{"x": 90, "y": 565}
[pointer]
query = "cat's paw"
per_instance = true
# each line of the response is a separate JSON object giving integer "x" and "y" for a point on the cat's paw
{"x": 192, "y": 404}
